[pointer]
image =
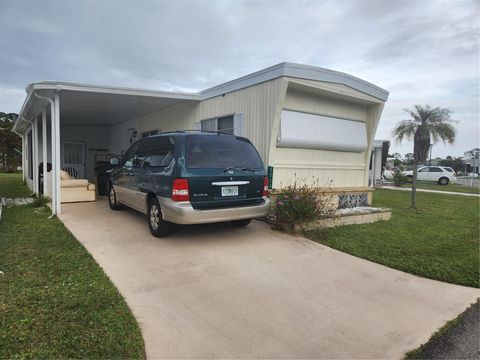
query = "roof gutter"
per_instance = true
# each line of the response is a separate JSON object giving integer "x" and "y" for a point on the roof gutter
{"x": 22, "y": 110}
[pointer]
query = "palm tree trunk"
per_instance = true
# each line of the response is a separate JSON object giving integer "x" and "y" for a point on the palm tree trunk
{"x": 414, "y": 185}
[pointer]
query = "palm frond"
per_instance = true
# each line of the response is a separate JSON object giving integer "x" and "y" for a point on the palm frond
{"x": 405, "y": 129}
{"x": 433, "y": 121}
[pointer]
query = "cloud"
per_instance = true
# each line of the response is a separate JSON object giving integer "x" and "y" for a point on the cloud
{"x": 421, "y": 51}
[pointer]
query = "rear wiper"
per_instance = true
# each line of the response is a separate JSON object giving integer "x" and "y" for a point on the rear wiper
{"x": 238, "y": 168}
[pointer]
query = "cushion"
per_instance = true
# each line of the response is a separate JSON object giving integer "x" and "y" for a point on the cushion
{"x": 64, "y": 175}
{"x": 74, "y": 183}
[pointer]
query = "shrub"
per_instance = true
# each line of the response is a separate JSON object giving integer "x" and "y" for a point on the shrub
{"x": 300, "y": 204}
{"x": 398, "y": 178}
{"x": 40, "y": 201}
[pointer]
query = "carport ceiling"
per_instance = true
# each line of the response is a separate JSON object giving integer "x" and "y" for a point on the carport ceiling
{"x": 86, "y": 108}
{"x": 82, "y": 104}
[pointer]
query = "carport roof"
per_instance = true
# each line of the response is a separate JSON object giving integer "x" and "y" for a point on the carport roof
{"x": 88, "y": 104}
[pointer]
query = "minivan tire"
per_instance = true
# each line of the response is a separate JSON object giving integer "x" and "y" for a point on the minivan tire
{"x": 443, "y": 181}
{"x": 241, "y": 223}
{"x": 158, "y": 227}
{"x": 112, "y": 199}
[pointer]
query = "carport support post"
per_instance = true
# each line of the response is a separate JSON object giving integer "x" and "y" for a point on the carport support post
{"x": 44, "y": 149}
{"x": 24, "y": 152}
{"x": 35, "y": 153}
{"x": 56, "y": 154}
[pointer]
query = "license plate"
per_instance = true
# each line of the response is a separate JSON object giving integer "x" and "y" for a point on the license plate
{"x": 229, "y": 190}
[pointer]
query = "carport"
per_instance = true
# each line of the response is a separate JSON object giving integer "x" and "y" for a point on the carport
{"x": 89, "y": 112}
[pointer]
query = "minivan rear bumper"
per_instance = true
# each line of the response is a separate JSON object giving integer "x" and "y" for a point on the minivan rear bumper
{"x": 182, "y": 212}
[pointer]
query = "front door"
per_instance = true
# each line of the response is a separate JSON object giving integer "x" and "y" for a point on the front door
{"x": 74, "y": 158}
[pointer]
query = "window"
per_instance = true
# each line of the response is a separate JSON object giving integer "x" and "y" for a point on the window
{"x": 425, "y": 169}
{"x": 435, "y": 169}
{"x": 129, "y": 156}
{"x": 218, "y": 152}
{"x": 147, "y": 134}
{"x": 155, "y": 152}
{"x": 231, "y": 124}
{"x": 225, "y": 124}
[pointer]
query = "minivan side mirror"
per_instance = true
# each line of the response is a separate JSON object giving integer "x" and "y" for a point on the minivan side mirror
{"x": 114, "y": 161}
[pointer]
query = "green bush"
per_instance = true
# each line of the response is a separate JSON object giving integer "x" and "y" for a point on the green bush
{"x": 40, "y": 201}
{"x": 299, "y": 204}
{"x": 398, "y": 178}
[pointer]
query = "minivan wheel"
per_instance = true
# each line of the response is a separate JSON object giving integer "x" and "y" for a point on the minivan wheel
{"x": 112, "y": 199}
{"x": 241, "y": 223}
{"x": 158, "y": 227}
{"x": 409, "y": 178}
{"x": 443, "y": 181}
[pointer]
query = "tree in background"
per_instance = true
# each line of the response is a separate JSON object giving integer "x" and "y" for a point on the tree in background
{"x": 474, "y": 156}
{"x": 408, "y": 159}
{"x": 425, "y": 123}
{"x": 10, "y": 143}
{"x": 456, "y": 163}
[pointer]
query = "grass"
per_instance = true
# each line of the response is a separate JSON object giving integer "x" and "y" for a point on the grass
{"x": 11, "y": 185}
{"x": 450, "y": 187}
{"x": 439, "y": 240}
{"x": 55, "y": 300}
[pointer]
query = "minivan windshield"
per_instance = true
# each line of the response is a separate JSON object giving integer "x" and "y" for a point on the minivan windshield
{"x": 220, "y": 152}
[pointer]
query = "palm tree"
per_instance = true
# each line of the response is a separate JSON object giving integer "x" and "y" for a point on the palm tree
{"x": 425, "y": 124}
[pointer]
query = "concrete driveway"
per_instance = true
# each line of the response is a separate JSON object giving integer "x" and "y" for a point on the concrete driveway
{"x": 215, "y": 291}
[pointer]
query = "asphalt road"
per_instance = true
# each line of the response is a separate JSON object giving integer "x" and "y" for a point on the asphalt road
{"x": 460, "y": 342}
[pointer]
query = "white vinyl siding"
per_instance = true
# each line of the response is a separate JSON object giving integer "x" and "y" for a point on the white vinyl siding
{"x": 310, "y": 131}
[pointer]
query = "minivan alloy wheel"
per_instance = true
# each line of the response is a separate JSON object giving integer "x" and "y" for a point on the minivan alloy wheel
{"x": 158, "y": 227}
{"x": 112, "y": 199}
{"x": 154, "y": 219}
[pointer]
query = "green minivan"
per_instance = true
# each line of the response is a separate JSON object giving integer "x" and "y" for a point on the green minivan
{"x": 190, "y": 177}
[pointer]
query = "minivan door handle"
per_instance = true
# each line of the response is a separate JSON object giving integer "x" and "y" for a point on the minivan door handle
{"x": 230, "y": 183}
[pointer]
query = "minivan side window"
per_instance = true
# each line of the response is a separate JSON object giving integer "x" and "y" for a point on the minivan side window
{"x": 157, "y": 151}
{"x": 130, "y": 155}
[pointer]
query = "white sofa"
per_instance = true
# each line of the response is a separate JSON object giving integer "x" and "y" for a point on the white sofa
{"x": 72, "y": 190}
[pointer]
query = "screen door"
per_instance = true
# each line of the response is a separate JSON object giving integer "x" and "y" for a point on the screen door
{"x": 74, "y": 157}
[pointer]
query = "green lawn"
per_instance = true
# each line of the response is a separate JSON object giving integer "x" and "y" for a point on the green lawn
{"x": 11, "y": 185}
{"x": 55, "y": 301}
{"x": 439, "y": 240}
{"x": 449, "y": 187}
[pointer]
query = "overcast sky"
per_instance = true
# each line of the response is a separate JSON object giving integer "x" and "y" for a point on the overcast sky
{"x": 420, "y": 51}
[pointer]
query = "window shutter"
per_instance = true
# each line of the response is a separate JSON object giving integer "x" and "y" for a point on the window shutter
{"x": 238, "y": 124}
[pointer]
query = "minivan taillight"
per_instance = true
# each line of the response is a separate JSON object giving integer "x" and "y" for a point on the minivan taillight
{"x": 180, "y": 190}
{"x": 265, "y": 186}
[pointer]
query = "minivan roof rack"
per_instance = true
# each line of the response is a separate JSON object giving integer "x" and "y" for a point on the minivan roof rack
{"x": 187, "y": 131}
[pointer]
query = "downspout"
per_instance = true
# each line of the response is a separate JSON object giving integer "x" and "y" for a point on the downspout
{"x": 55, "y": 174}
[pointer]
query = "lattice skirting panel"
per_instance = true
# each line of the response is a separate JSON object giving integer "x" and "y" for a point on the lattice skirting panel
{"x": 352, "y": 200}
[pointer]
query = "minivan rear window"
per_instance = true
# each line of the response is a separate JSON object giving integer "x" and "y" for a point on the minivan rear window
{"x": 220, "y": 151}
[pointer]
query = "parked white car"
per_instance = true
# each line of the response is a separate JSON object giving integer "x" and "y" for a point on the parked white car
{"x": 438, "y": 174}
